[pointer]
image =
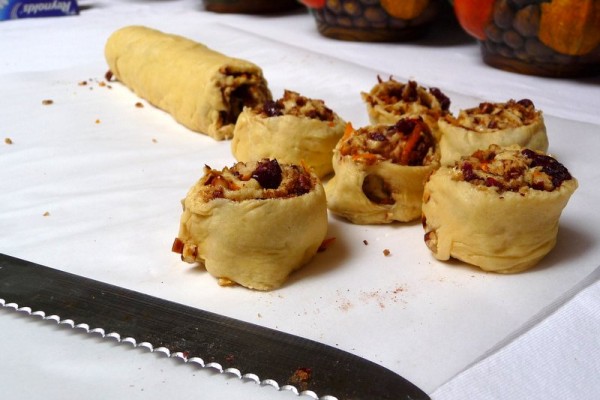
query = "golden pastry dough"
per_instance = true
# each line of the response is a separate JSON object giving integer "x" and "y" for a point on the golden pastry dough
{"x": 202, "y": 89}
{"x": 380, "y": 172}
{"x": 254, "y": 223}
{"x": 503, "y": 124}
{"x": 498, "y": 209}
{"x": 293, "y": 129}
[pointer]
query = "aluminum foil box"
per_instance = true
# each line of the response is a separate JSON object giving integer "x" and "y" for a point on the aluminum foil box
{"x": 16, "y": 9}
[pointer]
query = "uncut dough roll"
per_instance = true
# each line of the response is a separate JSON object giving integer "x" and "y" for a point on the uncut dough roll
{"x": 202, "y": 89}
{"x": 293, "y": 129}
{"x": 504, "y": 124}
{"x": 253, "y": 223}
{"x": 498, "y": 209}
{"x": 380, "y": 171}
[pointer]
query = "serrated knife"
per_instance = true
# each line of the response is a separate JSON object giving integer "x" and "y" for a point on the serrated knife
{"x": 247, "y": 350}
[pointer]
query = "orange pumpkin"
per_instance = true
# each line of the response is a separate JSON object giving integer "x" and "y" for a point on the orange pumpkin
{"x": 474, "y": 15}
{"x": 570, "y": 26}
{"x": 404, "y": 9}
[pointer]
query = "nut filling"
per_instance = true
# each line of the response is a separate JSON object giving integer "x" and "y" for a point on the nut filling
{"x": 497, "y": 116}
{"x": 408, "y": 142}
{"x": 293, "y": 103}
{"x": 511, "y": 169}
{"x": 239, "y": 90}
{"x": 265, "y": 179}
{"x": 402, "y": 98}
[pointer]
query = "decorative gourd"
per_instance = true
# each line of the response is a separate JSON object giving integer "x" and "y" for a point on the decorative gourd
{"x": 313, "y": 3}
{"x": 474, "y": 15}
{"x": 570, "y": 26}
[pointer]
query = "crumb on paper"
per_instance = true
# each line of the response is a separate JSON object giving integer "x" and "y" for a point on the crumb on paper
{"x": 154, "y": 140}
{"x": 386, "y": 252}
{"x": 374, "y": 295}
{"x": 90, "y": 81}
{"x": 47, "y": 102}
{"x": 346, "y": 305}
{"x": 8, "y": 140}
{"x": 97, "y": 121}
{"x": 139, "y": 104}
{"x": 366, "y": 243}
{"x": 301, "y": 378}
{"x": 46, "y": 214}
{"x": 398, "y": 289}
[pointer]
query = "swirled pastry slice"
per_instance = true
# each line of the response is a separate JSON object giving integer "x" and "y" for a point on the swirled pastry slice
{"x": 388, "y": 101}
{"x": 294, "y": 129}
{"x": 380, "y": 171}
{"x": 202, "y": 89}
{"x": 497, "y": 209}
{"x": 504, "y": 124}
{"x": 253, "y": 223}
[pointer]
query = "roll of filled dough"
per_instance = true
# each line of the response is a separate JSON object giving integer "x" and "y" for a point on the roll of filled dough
{"x": 202, "y": 89}
{"x": 388, "y": 101}
{"x": 253, "y": 223}
{"x": 294, "y": 129}
{"x": 380, "y": 171}
{"x": 504, "y": 124}
{"x": 498, "y": 209}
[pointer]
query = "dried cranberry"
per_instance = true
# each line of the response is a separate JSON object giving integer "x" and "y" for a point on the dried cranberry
{"x": 558, "y": 172}
{"x": 406, "y": 125}
{"x": 268, "y": 174}
{"x": 486, "y": 108}
{"x": 272, "y": 108}
{"x": 467, "y": 171}
{"x": 526, "y": 103}
{"x": 441, "y": 97}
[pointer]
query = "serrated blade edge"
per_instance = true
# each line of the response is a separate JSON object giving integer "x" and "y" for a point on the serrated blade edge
{"x": 249, "y": 351}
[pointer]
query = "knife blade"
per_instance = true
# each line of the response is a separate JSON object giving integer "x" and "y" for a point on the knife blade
{"x": 250, "y": 351}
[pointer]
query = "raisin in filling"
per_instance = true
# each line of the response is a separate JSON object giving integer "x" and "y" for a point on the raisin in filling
{"x": 512, "y": 170}
{"x": 558, "y": 172}
{"x": 268, "y": 173}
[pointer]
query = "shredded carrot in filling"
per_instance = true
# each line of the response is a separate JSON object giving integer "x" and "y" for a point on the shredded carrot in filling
{"x": 408, "y": 142}
{"x": 410, "y": 145}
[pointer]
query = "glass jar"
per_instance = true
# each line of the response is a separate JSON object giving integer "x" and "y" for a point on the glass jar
{"x": 250, "y": 6}
{"x": 373, "y": 20}
{"x": 555, "y": 38}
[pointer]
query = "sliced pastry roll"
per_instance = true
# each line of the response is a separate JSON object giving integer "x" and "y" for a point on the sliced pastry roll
{"x": 202, "y": 89}
{"x": 294, "y": 129}
{"x": 380, "y": 171}
{"x": 390, "y": 100}
{"x": 497, "y": 209}
{"x": 504, "y": 124}
{"x": 253, "y": 223}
